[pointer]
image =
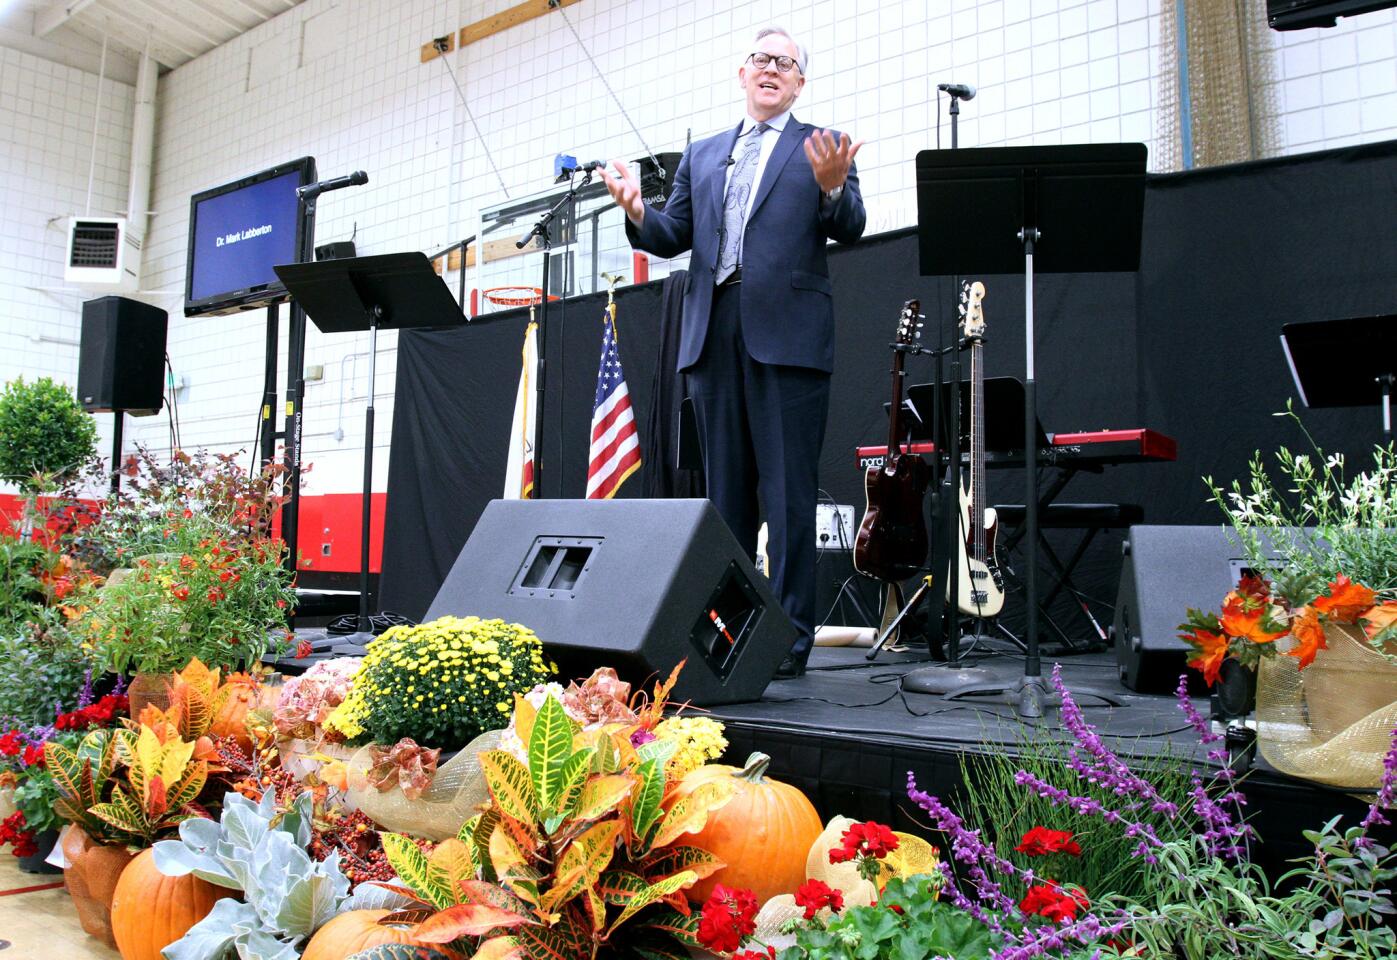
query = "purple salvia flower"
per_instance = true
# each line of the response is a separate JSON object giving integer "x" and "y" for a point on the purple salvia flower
{"x": 1195, "y": 719}
{"x": 1223, "y": 836}
{"x": 968, "y": 849}
{"x": 1387, "y": 792}
{"x": 86, "y": 695}
{"x": 1109, "y": 771}
{"x": 1039, "y": 941}
{"x": 120, "y": 687}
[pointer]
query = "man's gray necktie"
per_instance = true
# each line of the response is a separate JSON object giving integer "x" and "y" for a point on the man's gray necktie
{"x": 735, "y": 205}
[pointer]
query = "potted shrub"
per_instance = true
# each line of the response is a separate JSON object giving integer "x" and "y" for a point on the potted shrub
{"x": 440, "y": 684}
{"x": 45, "y": 437}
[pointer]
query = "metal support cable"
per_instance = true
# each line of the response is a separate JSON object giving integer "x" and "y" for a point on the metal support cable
{"x": 602, "y": 77}
{"x": 483, "y": 145}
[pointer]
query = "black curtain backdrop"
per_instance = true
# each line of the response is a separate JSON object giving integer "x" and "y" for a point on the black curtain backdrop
{"x": 1188, "y": 346}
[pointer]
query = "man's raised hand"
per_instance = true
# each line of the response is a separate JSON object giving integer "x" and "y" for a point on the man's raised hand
{"x": 624, "y": 187}
{"x": 830, "y": 160}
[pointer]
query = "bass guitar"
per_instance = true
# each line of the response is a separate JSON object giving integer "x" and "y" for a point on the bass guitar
{"x": 892, "y": 541}
{"x": 980, "y": 588}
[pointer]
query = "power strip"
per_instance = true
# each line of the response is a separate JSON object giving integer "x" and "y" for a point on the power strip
{"x": 834, "y": 526}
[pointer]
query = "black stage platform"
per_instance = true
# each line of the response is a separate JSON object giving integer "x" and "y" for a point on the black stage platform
{"x": 847, "y": 735}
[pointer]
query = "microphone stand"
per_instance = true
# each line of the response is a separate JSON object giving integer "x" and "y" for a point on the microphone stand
{"x": 540, "y": 230}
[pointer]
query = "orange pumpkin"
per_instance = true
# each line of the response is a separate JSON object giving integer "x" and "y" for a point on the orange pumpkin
{"x": 150, "y": 911}
{"x": 763, "y": 833}
{"x": 357, "y": 930}
{"x": 239, "y": 696}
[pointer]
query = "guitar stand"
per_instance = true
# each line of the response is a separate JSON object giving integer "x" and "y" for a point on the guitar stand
{"x": 891, "y": 628}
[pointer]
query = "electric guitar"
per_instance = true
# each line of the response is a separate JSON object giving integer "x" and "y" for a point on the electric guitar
{"x": 892, "y": 540}
{"x": 980, "y": 587}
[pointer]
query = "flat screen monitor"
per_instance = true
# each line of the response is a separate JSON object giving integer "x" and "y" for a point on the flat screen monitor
{"x": 237, "y": 233}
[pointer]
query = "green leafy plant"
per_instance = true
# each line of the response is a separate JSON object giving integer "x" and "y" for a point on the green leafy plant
{"x": 21, "y": 591}
{"x": 174, "y": 506}
{"x": 36, "y": 797}
{"x": 82, "y": 775}
{"x": 157, "y": 787}
{"x": 576, "y": 855}
{"x": 907, "y": 921}
{"x": 44, "y": 433}
{"x": 440, "y": 684}
{"x": 42, "y": 665}
{"x": 218, "y": 603}
{"x": 261, "y": 851}
{"x": 1311, "y": 522}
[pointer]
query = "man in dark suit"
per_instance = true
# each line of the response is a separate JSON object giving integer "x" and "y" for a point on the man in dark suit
{"x": 758, "y": 334}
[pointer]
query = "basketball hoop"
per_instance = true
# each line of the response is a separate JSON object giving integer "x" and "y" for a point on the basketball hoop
{"x": 515, "y": 296}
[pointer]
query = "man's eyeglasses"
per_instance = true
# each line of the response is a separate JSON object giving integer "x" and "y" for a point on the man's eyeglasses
{"x": 762, "y": 60}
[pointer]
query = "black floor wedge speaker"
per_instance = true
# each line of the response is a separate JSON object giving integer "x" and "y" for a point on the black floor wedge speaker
{"x": 637, "y": 585}
{"x": 1165, "y": 571}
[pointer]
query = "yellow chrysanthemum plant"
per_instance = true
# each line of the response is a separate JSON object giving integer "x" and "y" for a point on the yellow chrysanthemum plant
{"x": 440, "y": 684}
{"x": 580, "y": 846}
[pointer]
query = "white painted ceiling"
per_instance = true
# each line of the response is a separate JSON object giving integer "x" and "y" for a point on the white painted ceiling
{"x": 175, "y": 31}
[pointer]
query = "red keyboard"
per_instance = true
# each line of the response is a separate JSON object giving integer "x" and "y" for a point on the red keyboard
{"x": 1089, "y": 449}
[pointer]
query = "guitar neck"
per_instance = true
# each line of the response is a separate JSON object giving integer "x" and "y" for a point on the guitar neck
{"x": 977, "y": 449}
{"x": 895, "y": 414}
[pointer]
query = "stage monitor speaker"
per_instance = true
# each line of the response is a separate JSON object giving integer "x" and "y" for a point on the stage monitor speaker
{"x": 1165, "y": 571}
{"x": 121, "y": 360}
{"x": 637, "y": 585}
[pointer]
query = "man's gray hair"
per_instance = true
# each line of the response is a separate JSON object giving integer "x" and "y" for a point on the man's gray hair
{"x": 802, "y": 54}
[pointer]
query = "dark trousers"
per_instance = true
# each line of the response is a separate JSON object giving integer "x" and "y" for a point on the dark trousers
{"x": 762, "y": 426}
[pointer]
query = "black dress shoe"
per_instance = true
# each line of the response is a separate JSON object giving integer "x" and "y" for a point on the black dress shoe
{"x": 791, "y": 667}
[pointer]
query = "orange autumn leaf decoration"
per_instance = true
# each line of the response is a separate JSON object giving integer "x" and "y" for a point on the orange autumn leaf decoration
{"x": 1211, "y": 650}
{"x": 1248, "y": 617}
{"x": 1347, "y": 600}
{"x": 1309, "y": 637}
{"x": 1380, "y": 618}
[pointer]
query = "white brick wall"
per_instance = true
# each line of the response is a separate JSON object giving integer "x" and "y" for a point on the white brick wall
{"x": 46, "y": 146}
{"x": 341, "y": 80}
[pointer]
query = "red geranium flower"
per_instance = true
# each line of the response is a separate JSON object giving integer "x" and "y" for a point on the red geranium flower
{"x": 1040, "y": 842}
{"x": 815, "y": 895}
{"x": 33, "y": 756}
{"x": 768, "y": 954}
{"x": 864, "y": 840}
{"x": 1052, "y": 902}
{"x": 728, "y": 916}
{"x": 11, "y": 744}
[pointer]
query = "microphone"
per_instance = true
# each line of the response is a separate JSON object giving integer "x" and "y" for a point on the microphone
{"x": 962, "y": 90}
{"x": 728, "y": 162}
{"x": 312, "y": 190}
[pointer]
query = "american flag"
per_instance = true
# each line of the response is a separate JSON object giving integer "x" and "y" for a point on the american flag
{"x": 615, "y": 453}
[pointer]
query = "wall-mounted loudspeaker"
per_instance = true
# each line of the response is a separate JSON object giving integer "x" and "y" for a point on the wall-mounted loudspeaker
{"x": 638, "y": 585}
{"x": 121, "y": 361}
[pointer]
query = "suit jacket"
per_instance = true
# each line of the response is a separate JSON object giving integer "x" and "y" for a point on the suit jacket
{"x": 786, "y": 307}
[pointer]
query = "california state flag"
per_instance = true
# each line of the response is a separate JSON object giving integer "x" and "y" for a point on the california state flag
{"x": 519, "y": 470}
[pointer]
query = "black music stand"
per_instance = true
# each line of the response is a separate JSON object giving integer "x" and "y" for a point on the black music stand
{"x": 1366, "y": 376}
{"x": 389, "y": 291}
{"x": 1059, "y": 209}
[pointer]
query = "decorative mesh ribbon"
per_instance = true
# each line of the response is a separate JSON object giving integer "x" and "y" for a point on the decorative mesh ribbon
{"x": 1331, "y": 722}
